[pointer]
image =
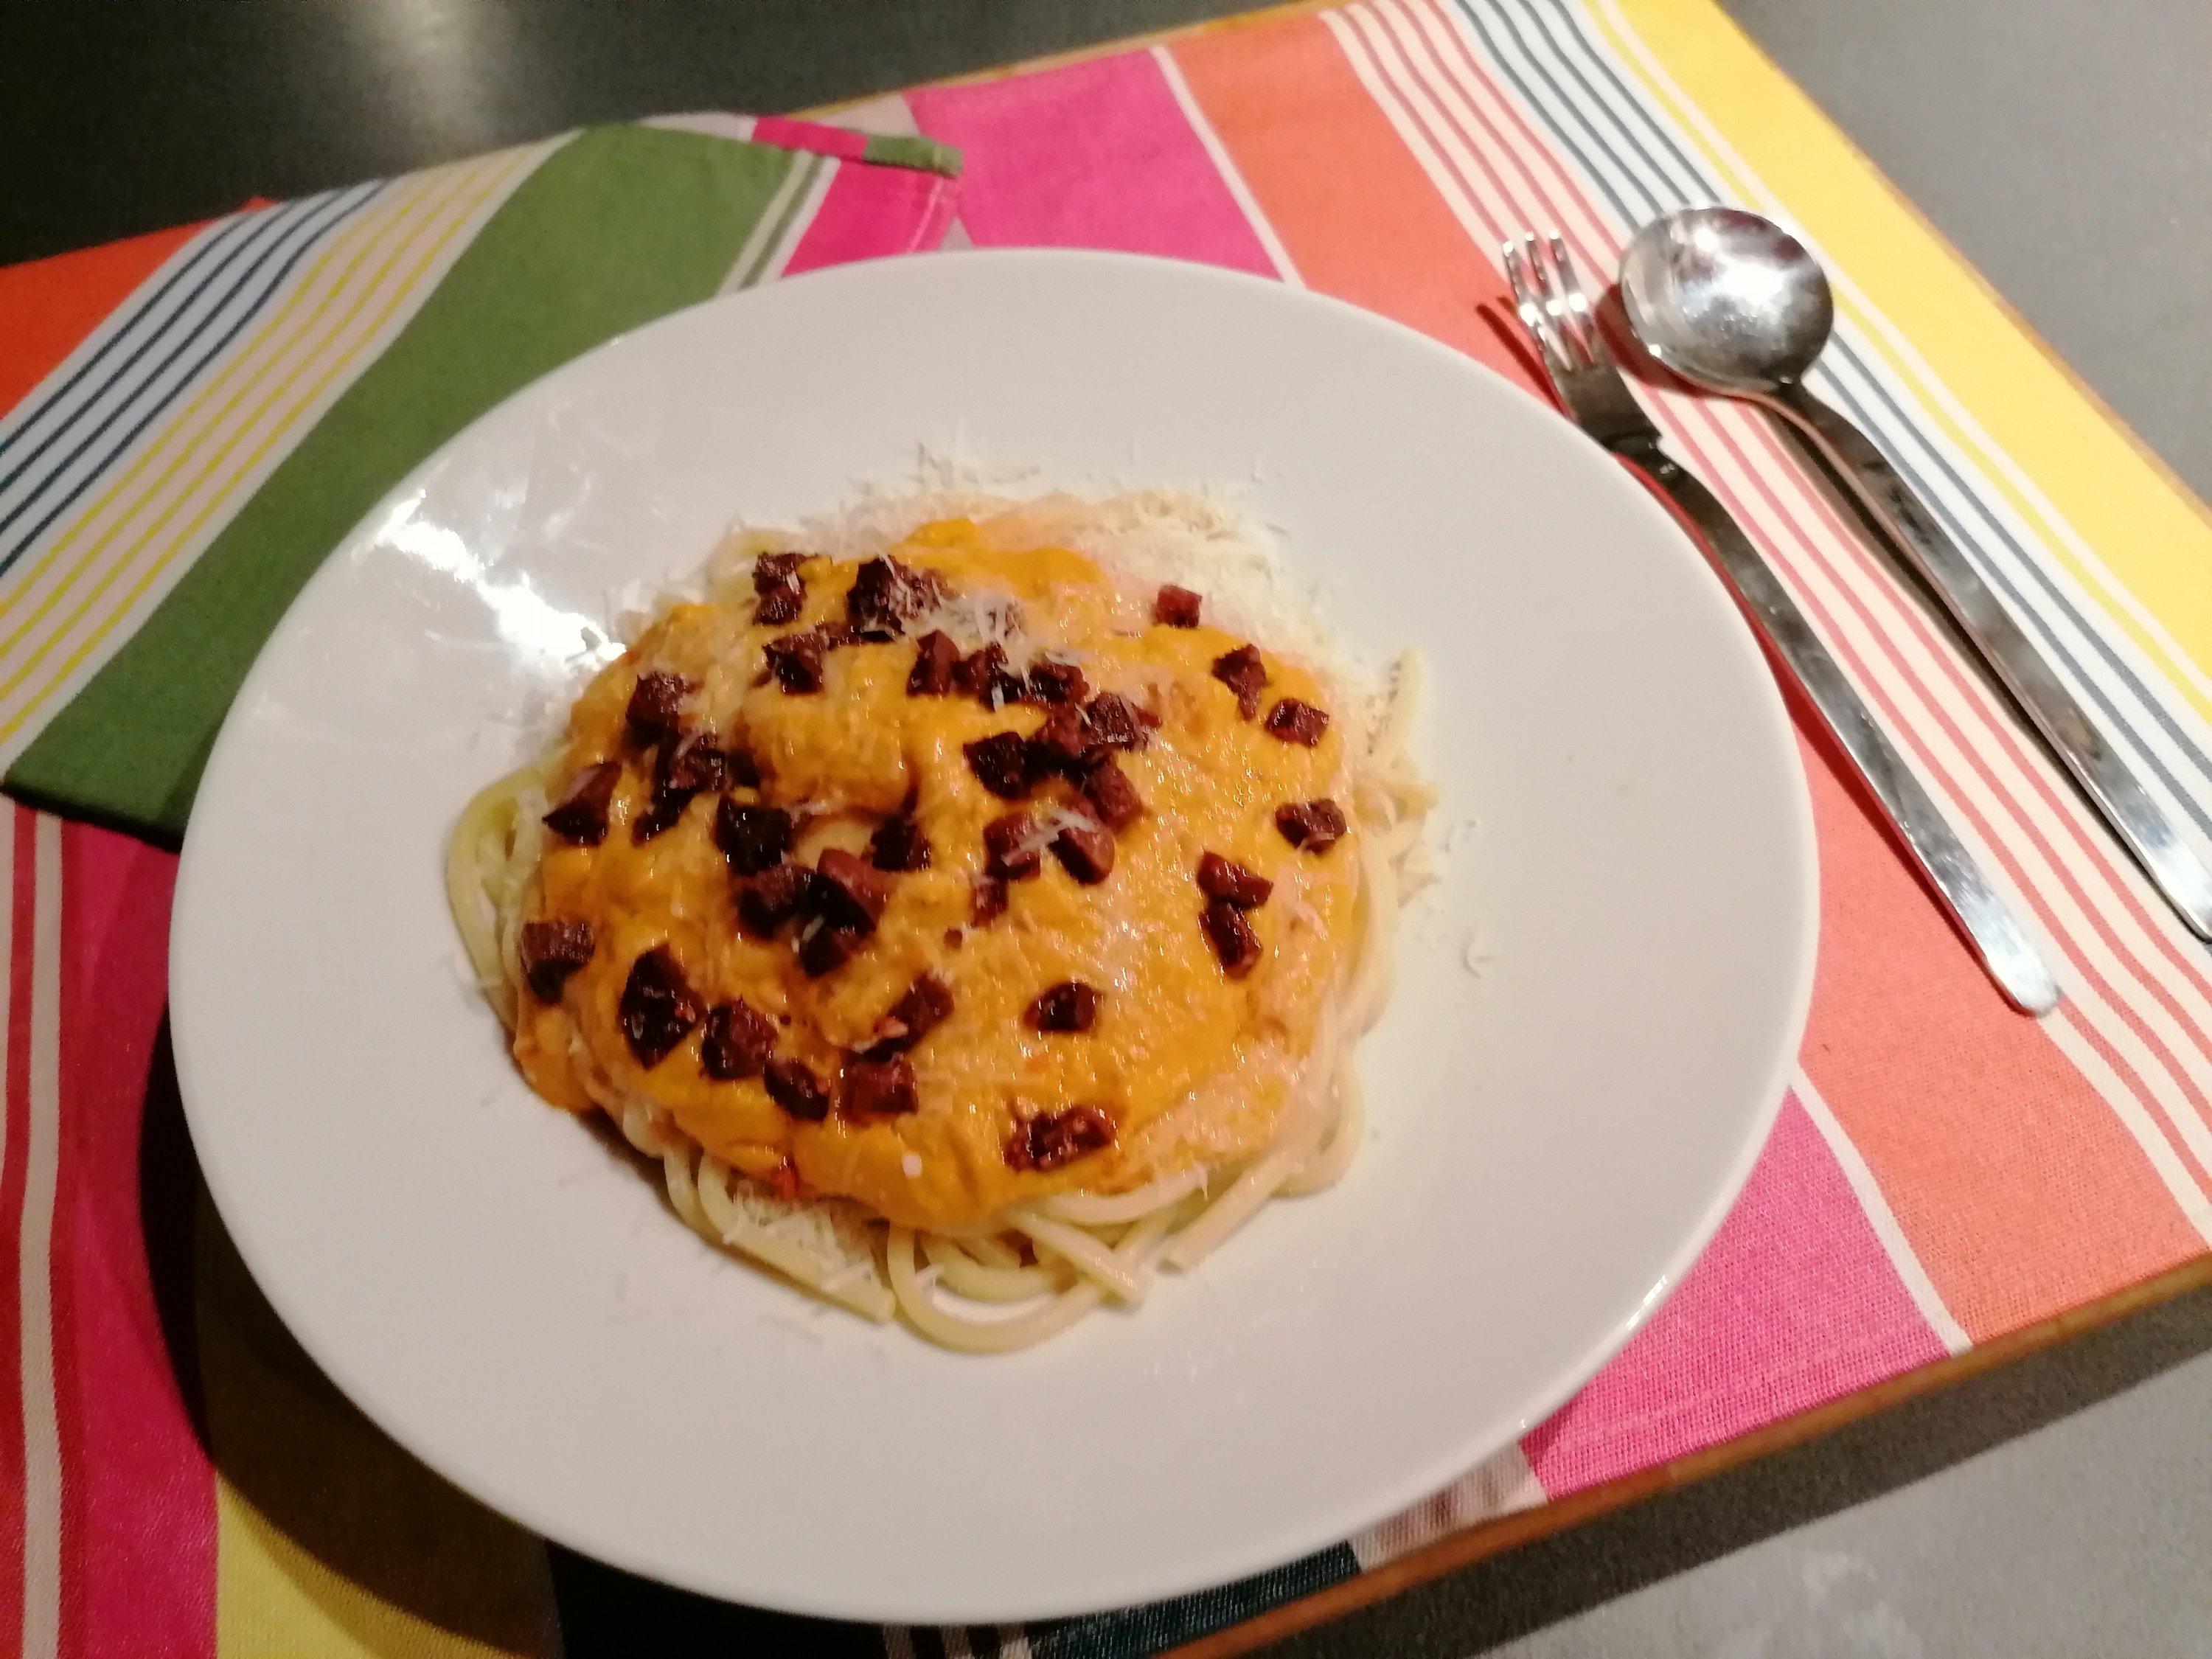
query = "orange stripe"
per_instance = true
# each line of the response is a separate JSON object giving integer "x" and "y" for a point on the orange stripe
{"x": 1360, "y": 219}
{"x": 49, "y": 305}
{"x": 2019, "y": 1189}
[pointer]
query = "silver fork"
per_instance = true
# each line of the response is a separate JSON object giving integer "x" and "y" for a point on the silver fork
{"x": 1555, "y": 311}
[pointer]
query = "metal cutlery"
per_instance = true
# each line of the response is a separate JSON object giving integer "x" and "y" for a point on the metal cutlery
{"x": 1734, "y": 304}
{"x": 1557, "y": 312}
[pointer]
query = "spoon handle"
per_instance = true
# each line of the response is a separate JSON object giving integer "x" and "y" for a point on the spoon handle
{"x": 2139, "y": 821}
{"x": 1980, "y": 913}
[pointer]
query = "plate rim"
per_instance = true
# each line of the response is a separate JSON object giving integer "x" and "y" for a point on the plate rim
{"x": 1471, "y": 1447}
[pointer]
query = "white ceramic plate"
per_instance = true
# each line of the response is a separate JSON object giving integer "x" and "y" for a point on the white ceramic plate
{"x": 1554, "y": 1136}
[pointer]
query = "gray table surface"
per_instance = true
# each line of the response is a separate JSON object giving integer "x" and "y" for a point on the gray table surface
{"x": 2060, "y": 1506}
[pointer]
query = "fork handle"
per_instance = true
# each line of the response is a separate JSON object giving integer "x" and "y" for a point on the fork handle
{"x": 2012, "y": 961}
{"x": 2116, "y": 792}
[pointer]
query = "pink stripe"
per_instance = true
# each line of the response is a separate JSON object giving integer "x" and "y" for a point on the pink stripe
{"x": 1097, "y": 154}
{"x": 14, "y": 1106}
{"x": 139, "y": 1534}
{"x": 1795, "y": 1302}
{"x": 811, "y": 135}
{"x": 869, "y": 212}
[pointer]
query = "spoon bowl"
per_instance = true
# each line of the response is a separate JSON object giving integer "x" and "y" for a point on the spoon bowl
{"x": 1726, "y": 298}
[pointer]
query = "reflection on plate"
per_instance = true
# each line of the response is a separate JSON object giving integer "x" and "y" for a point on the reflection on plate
{"x": 1598, "y": 1002}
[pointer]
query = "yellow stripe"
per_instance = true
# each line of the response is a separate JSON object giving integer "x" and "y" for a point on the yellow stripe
{"x": 397, "y": 298}
{"x": 2148, "y": 531}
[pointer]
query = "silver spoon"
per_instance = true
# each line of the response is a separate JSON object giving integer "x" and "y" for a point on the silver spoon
{"x": 1733, "y": 303}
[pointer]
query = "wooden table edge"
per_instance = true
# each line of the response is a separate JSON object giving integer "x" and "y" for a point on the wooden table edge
{"x": 1507, "y": 1532}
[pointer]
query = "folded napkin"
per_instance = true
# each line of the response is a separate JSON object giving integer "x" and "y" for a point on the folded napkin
{"x": 1944, "y": 1174}
{"x": 183, "y": 456}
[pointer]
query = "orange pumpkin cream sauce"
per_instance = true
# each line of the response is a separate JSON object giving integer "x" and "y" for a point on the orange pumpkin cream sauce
{"x": 943, "y": 880}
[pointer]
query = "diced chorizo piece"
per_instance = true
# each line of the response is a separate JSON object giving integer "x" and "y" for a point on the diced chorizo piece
{"x": 934, "y": 660}
{"x": 783, "y": 594}
{"x": 886, "y": 595}
{"x": 1000, "y": 763}
{"x": 792, "y": 1085}
{"x": 1231, "y": 937}
{"x": 835, "y": 636}
{"x": 879, "y": 1088}
{"x": 1222, "y": 878}
{"x": 848, "y": 893}
{"x": 1053, "y": 681}
{"x": 1312, "y": 826}
{"x": 658, "y": 1008}
{"x": 1013, "y": 850}
{"x": 1114, "y": 722}
{"x": 1085, "y": 851}
{"x": 656, "y": 708}
{"x": 1050, "y": 1139}
{"x": 926, "y": 1005}
{"x": 691, "y": 764}
{"x": 825, "y": 948}
{"x": 899, "y": 845}
{"x": 984, "y": 676}
{"x": 773, "y": 897}
{"x": 1176, "y": 607}
{"x": 661, "y": 814}
{"x": 744, "y": 770}
{"x": 1070, "y": 1005}
{"x": 581, "y": 814}
{"x": 795, "y": 660}
{"x": 1112, "y": 796}
{"x": 1244, "y": 672}
{"x": 737, "y": 1042}
{"x": 1297, "y": 723}
{"x": 1061, "y": 744}
{"x": 986, "y": 900}
{"x": 779, "y": 602}
{"x": 752, "y": 838}
{"x": 551, "y": 953}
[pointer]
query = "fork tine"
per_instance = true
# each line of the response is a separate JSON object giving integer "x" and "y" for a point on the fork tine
{"x": 1580, "y": 324}
{"x": 1554, "y": 307}
{"x": 1534, "y": 317}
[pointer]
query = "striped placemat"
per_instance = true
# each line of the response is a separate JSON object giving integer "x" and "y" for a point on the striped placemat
{"x": 1944, "y": 1176}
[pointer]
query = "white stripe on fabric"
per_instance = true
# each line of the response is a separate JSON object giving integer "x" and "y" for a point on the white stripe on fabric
{"x": 898, "y": 1642}
{"x": 1013, "y": 1643}
{"x": 243, "y": 422}
{"x": 713, "y": 123}
{"x": 42, "y": 1444}
{"x": 1808, "y": 545}
{"x": 1500, "y": 1484}
{"x": 1894, "y": 1245}
{"x": 796, "y": 177}
{"x": 889, "y": 117}
{"x": 1225, "y": 166}
{"x": 820, "y": 173}
{"x": 2064, "y": 1036}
